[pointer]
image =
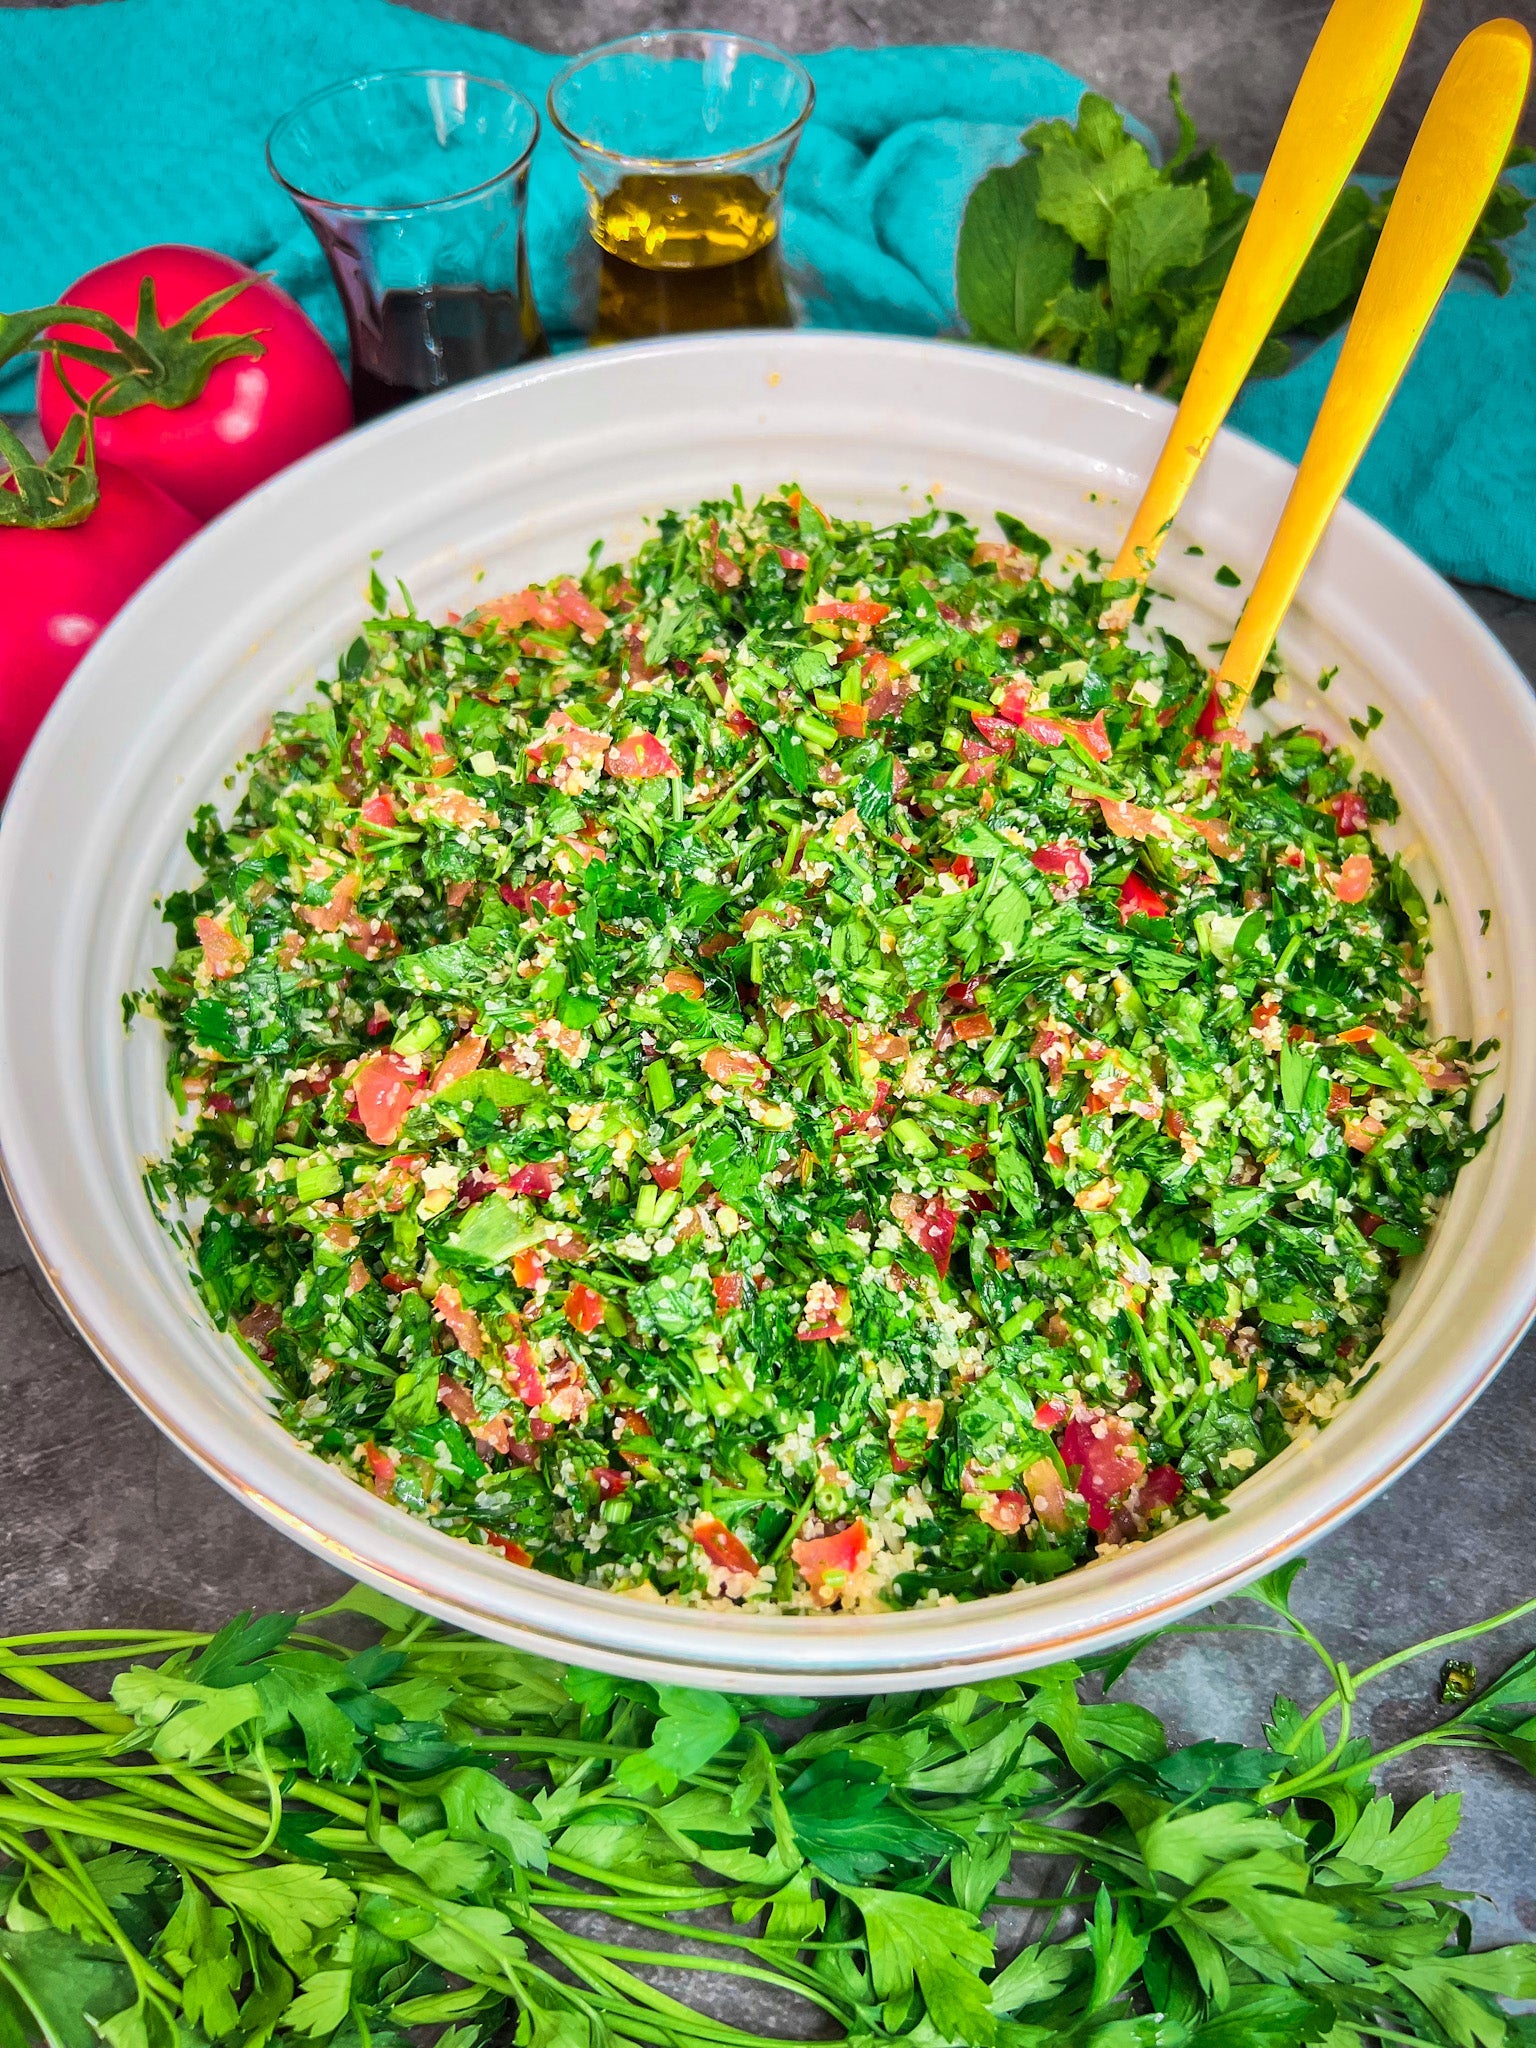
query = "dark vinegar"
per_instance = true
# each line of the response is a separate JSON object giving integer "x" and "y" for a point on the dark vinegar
{"x": 424, "y": 341}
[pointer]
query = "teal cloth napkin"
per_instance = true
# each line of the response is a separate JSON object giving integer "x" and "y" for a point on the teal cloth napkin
{"x": 179, "y": 96}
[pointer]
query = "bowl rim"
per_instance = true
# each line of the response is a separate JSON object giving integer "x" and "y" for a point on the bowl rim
{"x": 391, "y": 1552}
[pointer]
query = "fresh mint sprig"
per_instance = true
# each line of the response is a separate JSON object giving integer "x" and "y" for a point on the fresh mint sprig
{"x": 1087, "y": 252}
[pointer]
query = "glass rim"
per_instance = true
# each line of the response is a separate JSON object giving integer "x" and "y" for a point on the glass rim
{"x": 361, "y": 208}
{"x": 645, "y": 39}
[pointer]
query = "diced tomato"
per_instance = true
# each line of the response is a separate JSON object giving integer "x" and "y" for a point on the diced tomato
{"x": 1047, "y": 1496}
{"x": 679, "y": 981}
{"x": 549, "y": 897}
{"x": 973, "y": 1029}
{"x": 1139, "y": 899}
{"x": 721, "y": 1546}
{"x": 640, "y": 758}
{"x": 396, "y": 1283}
{"x": 1358, "y": 1034}
{"x": 1352, "y": 884}
{"x": 223, "y": 953}
{"x": 378, "y": 809}
{"x": 827, "y": 1563}
{"x": 1014, "y": 705}
{"x": 509, "y": 1547}
{"x": 962, "y": 867}
{"x": 1216, "y": 834}
{"x": 563, "y": 739}
{"x": 1090, "y": 733}
{"x": 1132, "y": 821}
{"x": 609, "y": 1484}
{"x": 997, "y": 732}
{"x": 930, "y": 1225}
{"x": 527, "y": 1268}
{"x": 384, "y": 1088}
{"x": 793, "y": 558}
{"x": 457, "y": 1399}
{"x": 538, "y": 1179}
{"x": 725, "y": 1063}
{"x": 1104, "y": 1448}
{"x": 527, "y": 1381}
{"x": 1069, "y": 862}
{"x": 1160, "y": 1489}
{"x": 858, "y": 611}
{"x": 583, "y": 1308}
{"x": 1349, "y": 812}
{"x": 890, "y": 689}
{"x": 523, "y": 608}
{"x": 828, "y": 1323}
{"x": 1207, "y": 723}
{"x": 462, "y": 1321}
{"x": 851, "y": 720}
{"x": 1051, "y": 1414}
{"x": 1006, "y": 1511}
{"x": 727, "y": 1288}
{"x": 668, "y": 1173}
{"x": 573, "y": 604}
{"x": 382, "y": 1467}
{"x": 461, "y": 1059}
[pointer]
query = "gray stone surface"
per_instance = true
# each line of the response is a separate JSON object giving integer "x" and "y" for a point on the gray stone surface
{"x": 1239, "y": 59}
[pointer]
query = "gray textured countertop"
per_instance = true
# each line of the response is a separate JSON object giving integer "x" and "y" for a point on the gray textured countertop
{"x": 104, "y": 1522}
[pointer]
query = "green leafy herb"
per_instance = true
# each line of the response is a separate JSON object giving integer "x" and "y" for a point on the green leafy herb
{"x": 846, "y": 1858}
{"x": 1087, "y": 252}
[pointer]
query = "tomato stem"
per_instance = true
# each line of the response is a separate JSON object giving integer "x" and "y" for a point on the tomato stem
{"x": 153, "y": 365}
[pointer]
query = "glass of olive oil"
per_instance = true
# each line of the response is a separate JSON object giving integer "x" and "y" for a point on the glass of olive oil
{"x": 683, "y": 138}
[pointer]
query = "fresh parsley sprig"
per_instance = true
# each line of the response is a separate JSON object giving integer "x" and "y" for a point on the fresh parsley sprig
{"x": 269, "y": 1836}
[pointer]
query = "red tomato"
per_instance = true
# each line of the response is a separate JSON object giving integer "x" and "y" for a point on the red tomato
{"x": 856, "y": 611}
{"x": 640, "y": 758}
{"x": 1069, "y": 862}
{"x": 793, "y": 558}
{"x": 668, "y": 1173}
{"x": 583, "y": 1308}
{"x": 727, "y": 1288}
{"x": 462, "y": 1322}
{"x": 1349, "y": 811}
{"x": 255, "y": 414}
{"x": 384, "y": 1088}
{"x": 721, "y": 1547}
{"x": 1104, "y": 1447}
{"x": 1051, "y": 1413}
{"x": 537, "y": 1180}
{"x": 509, "y": 1547}
{"x": 973, "y": 1029}
{"x": 61, "y": 587}
{"x": 1352, "y": 884}
{"x": 609, "y": 1484}
{"x": 930, "y": 1225}
{"x": 1210, "y": 716}
{"x": 381, "y": 1469}
{"x": 1140, "y": 899}
{"x": 826, "y": 1563}
{"x": 460, "y": 1060}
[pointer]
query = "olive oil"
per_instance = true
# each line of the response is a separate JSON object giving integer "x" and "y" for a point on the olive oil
{"x": 683, "y": 252}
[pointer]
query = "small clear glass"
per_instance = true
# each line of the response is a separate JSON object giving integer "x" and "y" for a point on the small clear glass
{"x": 416, "y": 186}
{"x": 683, "y": 138}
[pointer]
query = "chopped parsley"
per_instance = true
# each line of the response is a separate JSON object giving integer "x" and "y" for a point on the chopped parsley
{"x": 797, "y": 1070}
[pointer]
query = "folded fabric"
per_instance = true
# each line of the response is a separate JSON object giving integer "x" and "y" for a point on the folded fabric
{"x": 182, "y": 93}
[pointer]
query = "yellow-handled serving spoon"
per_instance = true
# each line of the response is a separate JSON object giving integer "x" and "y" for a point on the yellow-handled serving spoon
{"x": 1342, "y": 91}
{"x": 1451, "y": 169}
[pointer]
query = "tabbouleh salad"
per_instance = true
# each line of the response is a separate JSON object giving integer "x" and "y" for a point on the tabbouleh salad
{"x": 805, "y": 1070}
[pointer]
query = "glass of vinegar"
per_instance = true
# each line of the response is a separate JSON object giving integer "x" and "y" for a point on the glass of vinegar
{"x": 416, "y": 186}
{"x": 683, "y": 138}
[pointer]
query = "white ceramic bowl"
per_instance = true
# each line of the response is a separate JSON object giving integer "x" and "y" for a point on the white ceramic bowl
{"x": 512, "y": 478}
